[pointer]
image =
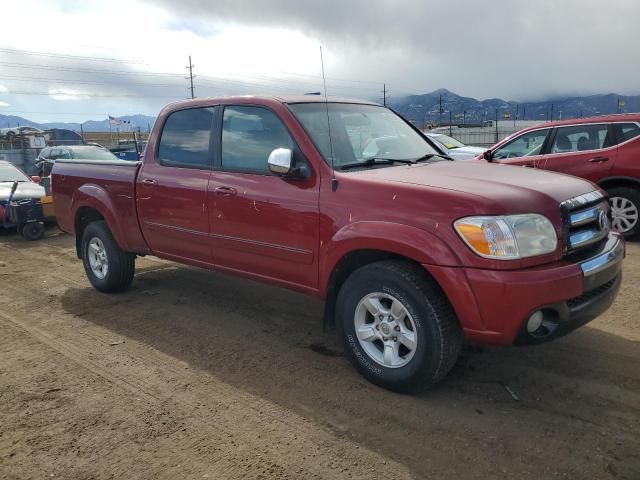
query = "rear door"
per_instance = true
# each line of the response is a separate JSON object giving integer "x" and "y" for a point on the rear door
{"x": 587, "y": 150}
{"x": 172, "y": 187}
{"x": 262, "y": 224}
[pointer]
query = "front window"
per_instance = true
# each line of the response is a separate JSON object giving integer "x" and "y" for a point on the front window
{"x": 249, "y": 135}
{"x": 9, "y": 173}
{"x": 360, "y": 132}
{"x": 92, "y": 153}
{"x": 525, "y": 145}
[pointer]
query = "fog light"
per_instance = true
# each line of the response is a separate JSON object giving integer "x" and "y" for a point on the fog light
{"x": 535, "y": 321}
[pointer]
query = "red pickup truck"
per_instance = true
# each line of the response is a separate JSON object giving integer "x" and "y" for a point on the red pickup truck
{"x": 348, "y": 202}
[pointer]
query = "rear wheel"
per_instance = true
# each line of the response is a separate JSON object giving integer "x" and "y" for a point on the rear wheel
{"x": 108, "y": 267}
{"x": 398, "y": 326}
{"x": 625, "y": 209}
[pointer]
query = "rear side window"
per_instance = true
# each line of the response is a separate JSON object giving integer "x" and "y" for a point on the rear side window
{"x": 581, "y": 137}
{"x": 626, "y": 131}
{"x": 185, "y": 139}
{"x": 249, "y": 135}
{"x": 526, "y": 145}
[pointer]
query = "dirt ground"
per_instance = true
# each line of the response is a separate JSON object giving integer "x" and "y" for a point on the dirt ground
{"x": 191, "y": 374}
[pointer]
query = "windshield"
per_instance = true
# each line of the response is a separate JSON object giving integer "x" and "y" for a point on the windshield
{"x": 448, "y": 141}
{"x": 92, "y": 153}
{"x": 360, "y": 132}
{"x": 9, "y": 173}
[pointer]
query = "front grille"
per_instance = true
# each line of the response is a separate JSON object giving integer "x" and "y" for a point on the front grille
{"x": 586, "y": 221}
{"x": 596, "y": 292}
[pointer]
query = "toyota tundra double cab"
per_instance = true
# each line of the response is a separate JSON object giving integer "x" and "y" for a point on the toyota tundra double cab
{"x": 346, "y": 201}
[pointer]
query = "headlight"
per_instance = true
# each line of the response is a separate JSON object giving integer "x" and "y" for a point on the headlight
{"x": 508, "y": 237}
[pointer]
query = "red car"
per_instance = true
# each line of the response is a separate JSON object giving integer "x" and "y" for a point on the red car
{"x": 604, "y": 150}
{"x": 409, "y": 250}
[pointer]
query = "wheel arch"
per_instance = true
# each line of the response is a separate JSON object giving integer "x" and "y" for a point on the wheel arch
{"x": 612, "y": 182}
{"x": 360, "y": 244}
{"x": 93, "y": 203}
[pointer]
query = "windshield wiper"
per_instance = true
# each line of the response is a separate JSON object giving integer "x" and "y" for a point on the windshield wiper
{"x": 429, "y": 156}
{"x": 375, "y": 161}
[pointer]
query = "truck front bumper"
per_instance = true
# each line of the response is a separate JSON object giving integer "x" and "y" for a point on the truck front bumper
{"x": 497, "y": 306}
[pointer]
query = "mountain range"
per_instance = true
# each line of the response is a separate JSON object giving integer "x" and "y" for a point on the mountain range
{"x": 427, "y": 108}
{"x": 133, "y": 122}
{"x": 435, "y": 107}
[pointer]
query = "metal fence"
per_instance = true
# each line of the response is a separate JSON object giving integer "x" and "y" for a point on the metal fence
{"x": 485, "y": 136}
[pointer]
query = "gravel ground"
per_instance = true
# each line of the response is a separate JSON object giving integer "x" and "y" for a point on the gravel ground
{"x": 192, "y": 374}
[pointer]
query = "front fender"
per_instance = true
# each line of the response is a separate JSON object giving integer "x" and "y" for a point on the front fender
{"x": 96, "y": 197}
{"x": 419, "y": 245}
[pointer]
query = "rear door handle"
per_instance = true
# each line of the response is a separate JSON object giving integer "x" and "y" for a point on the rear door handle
{"x": 598, "y": 159}
{"x": 226, "y": 191}
{"x": 149, "y": 182}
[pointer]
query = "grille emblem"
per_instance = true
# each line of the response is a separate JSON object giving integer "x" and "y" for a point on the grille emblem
{"x": 603, "y": 221}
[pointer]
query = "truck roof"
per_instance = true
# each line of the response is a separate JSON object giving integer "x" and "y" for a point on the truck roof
{"x": 265, "y": 99}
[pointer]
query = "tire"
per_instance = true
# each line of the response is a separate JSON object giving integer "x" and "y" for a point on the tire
{"x": 625, "y": 210}
{"x": 32, "y": 231}
{"x": 428, "y": 319}
{"x": 99, "y": 249}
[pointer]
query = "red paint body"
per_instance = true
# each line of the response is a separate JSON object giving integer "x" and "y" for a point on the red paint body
{"x": 293, "y": 232}
{"x": 606, "y": 166}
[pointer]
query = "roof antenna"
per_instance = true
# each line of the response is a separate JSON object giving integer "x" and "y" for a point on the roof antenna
{"x": 334, "y": 180}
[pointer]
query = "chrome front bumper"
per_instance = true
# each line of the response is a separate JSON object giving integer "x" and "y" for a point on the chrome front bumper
{"x": 605, "y": 265}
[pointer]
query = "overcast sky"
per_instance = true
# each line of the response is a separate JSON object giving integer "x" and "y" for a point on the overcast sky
{"x": 78, "y": 60}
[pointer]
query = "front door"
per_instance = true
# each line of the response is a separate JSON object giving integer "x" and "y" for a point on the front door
{"x": 172, "y": 188}
{"x": 524, "y": 150}
{"x": 262, "y": 224}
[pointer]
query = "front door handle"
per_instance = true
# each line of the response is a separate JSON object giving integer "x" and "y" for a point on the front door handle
{"x": 598, "y": 159}
{"x": 149, "y": 182}
{"x": 225, "y": 191}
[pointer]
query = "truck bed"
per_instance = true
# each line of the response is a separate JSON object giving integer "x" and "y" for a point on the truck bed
{"x": 105, "y": 186}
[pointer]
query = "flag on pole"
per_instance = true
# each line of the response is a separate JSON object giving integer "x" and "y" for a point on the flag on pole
{"x": 114, "y": 121}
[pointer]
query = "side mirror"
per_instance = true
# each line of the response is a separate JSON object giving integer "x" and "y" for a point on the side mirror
{"x": 280, "y": 161}
{"x": 36, "y": 179}
{"x": 487, "y": 155}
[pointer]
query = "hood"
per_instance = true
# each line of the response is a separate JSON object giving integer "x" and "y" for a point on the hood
{"x": 24, "y": 190}
{"x": 506, "y": 188}
{"x": 468, "y": 149}
{"x": 466, "y": 152}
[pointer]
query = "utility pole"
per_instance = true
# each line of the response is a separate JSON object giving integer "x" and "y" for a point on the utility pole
{"x": 524, "y": 111}
{"x": 190, "y": 77}
{"x": 551, "y": 119}
{"x": 450, "y": 132}
{"x": 496, "y": 125}
{"x": 440, "y": 122}
{"x": 384, "y": 94}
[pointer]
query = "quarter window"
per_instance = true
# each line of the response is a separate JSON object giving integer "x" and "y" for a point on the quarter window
{"x": 525, "y": 145}
{"x": 581, "y": 137}
{"x": 185, "y": 139}
{"x": 626, "y": 131}
{"x": 249, "y": 135}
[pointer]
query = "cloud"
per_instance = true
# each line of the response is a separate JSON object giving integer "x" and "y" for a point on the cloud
{"x": 3, "y": 89}
{"x": 4, "y": 104}
{"x": 67, "y": 94}
{"x": 515, "y": 48}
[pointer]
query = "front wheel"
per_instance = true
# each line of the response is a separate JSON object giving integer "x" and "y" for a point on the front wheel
{"x": 625, "y": 208}
{"x": 398, "y": 326}
{"x": 108, "y": 267}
